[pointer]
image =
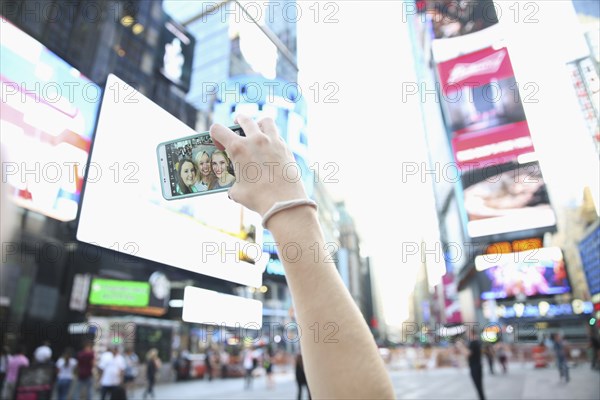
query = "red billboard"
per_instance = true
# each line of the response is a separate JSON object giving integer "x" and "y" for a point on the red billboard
{"x": 451, "y": 303}
{"x": 483, "y": 109}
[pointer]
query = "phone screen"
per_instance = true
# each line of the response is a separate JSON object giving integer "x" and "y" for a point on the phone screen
{"x": 195, "y": 165}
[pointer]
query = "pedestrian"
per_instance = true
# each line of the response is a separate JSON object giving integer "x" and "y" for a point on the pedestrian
{"x": 65, "y": 366}
{"x": 560, "y": 351}
{"x": 209, "y": 363}
{"x": 301, "y": 376}
{"x": 4, "y": 353}
{"x": 85, "y": 368}
{"x": 177, "y": 364}
{"x": 15, "y": 362}
{"x": 153, "y": 365}
{"x": 249, "y": 363}
{"x": 132, "y": 363}
{"x": 595, "y": 351}
{"x": 488, "y": 350}
{"x": 473, "y": 352}
{"x": 268, "y": 366}
{"x": 43, "y": 354}
{"x": 112, "y": 369}
{"x": 224, "y": 362}
{"x": 503, "y": 357}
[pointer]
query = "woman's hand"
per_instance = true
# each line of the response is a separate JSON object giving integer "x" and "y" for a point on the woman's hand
{"x": 265, "y": 169}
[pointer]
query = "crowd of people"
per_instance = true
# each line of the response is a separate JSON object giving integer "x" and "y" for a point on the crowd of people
{"x": 207, "y": 170}
{"x": 77, "y": 374}
{"x": 116, "y": 373}
{"x": 253, "y": 360}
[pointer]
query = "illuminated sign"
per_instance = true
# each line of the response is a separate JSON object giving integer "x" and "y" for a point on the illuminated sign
{"x": 515, "y": 246}
{"x": 110, "y": 292}
{"x": 527, "y": 244}
{"x": 537, "y": 272}
{"x": 520, "y": 310}
{"x": 176, "y": 53}
{"x": 47, "y": 118}
{"x": 506, "y": 198}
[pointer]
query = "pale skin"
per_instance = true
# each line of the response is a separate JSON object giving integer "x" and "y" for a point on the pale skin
{"x": 219, "y": 166}
{"x": 347, "y": 365}
{"x": 188, "y": 173}
{"x": 204, "y": 167}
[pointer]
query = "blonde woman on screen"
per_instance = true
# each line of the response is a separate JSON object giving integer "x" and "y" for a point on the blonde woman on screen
{"x": 206, "y": 177}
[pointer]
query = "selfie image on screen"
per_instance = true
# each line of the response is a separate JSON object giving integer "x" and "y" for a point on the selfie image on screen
{"x": 123, "y": 208}
{"x": 196, "y": 165}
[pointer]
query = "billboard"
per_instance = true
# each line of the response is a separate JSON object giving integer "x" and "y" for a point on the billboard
{"x": 532, "y": 273}
{"x": 506, "y": 198}
{"x": 483, "y": 109}
{"x": 47, "y": 118}
{"x": 208, "y": 234}
{"x": 149, "y": 297}
{"x": 450, "y": 294}
{"x": 176, "y": 53}
{"x": 111, "y": 292}
{"x": 453, "y": 18}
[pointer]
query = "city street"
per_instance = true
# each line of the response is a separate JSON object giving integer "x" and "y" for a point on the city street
{"x": 195, "y": 189}
{"x": 521, "y": 382}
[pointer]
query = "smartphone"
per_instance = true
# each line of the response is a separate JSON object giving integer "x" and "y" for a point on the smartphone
{"x": 193, "y": 166}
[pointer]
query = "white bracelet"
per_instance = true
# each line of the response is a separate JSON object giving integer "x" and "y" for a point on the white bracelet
{"x": 284, "y": 205}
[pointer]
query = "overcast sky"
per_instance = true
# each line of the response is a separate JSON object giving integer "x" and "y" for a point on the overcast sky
{"x": 370, "y": 133}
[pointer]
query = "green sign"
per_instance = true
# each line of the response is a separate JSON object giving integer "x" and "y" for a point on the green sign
{"x": 111, "y": 292}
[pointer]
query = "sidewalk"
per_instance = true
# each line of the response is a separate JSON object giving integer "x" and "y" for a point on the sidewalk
{"x": 230, "y": 388}
{"x": 521, "y": 382}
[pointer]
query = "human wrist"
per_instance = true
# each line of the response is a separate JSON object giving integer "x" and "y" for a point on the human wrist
{"x": 293, "y": 216}
{"x": 281, "y": 206}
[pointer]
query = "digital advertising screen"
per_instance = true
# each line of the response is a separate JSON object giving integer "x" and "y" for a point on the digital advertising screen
{"x": 111, "y": 292}
{"x": 453, "y": 18}
{"x": 506, "y": 198}
{"x": 123, "y": 208}
{"x": 149, "y": 297}
{"x": 483, "y": 109}
{"x": 176, "y": 53}
{"x": 538, "y": 272}
{"x": 47, "y": 118}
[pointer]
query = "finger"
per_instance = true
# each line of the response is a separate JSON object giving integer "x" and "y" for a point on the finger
{"x": 267, "y": 125}
{"x": 249, "y": 126}
{"x": 231, "y": 193}
{"x": 222, "y": 136}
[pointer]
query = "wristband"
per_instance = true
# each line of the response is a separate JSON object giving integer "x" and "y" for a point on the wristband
{"x": 284, "y": 205}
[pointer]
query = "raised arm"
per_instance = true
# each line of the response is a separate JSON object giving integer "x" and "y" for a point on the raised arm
{"x": 340, "y": 356}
